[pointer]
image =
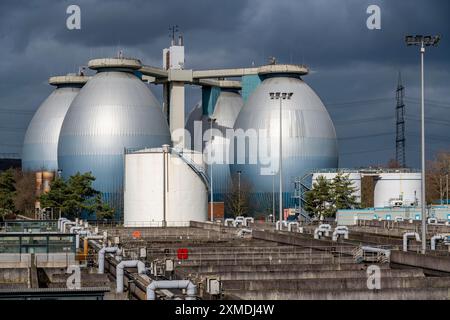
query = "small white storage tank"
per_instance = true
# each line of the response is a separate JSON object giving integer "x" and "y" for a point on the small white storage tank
{"x": 399, "y": 185}
{"x": 355, "y": 178}
{"x": 185, "y": 182}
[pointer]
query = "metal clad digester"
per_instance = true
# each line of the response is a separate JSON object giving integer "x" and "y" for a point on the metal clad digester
{"x": 309, "y": 137}
{"x": 40, "y": 145}
{"x": 115, "y": 110}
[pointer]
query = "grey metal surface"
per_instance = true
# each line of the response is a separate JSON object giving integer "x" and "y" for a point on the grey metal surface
{"x": 41, "y": 139}
{"x": 309, "y": 138}
{"x": 114, "y": 110}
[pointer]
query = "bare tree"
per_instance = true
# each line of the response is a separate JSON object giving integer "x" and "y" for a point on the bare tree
{"x": 238, "y": 200}
{"x": 436, "y": 176}
{"x": 25, "y": 196}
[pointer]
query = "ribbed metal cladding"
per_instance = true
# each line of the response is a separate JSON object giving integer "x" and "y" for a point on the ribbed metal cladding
{"x": 115, "y": 110}
{"x": 40, "y": 146}
{"x": 308, "y": 138}
{"x": 226, "y": 110}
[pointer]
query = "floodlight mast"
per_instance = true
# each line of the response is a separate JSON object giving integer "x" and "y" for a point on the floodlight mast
{"x": 281, "y": 96}
{"x": 423, "y": 41}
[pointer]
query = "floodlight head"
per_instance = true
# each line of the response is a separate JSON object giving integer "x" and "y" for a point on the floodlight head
{"x": 272, "y": 95}
{"x": 420, "y": 40}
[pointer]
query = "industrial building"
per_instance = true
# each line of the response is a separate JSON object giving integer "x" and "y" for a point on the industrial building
{"x": 88, "y": 123}
{"x": 237, "y": 259}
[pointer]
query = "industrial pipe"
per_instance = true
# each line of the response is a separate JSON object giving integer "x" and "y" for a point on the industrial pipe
{"x": 290, "y": 224}
{"x": 120, "y": 269}
{"x": 238, "y": 220}
{"x": 326, "y": 228}
{"x": 77, "y": 237}
{"x": 74, "y": 228}
{"x": 405, "y": 239}
{"x": 60, "y": 220}
{"x": 101, "y": 257}
{"x": 191, "y": 289}
{"x": 243, "y": 231}
{"x": 66, "y": 223}
{"x": 321, "y": 230}
{"x": 385, "y": 252}
{"x": 228, "y": 220}
{"x": 279, "y": 225}
{"x": 247, "y": 220}
{"x": 339, "y": 232}
{"x": 436, "y": 238}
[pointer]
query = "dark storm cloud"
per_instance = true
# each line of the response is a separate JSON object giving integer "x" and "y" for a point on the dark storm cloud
{"x": 349, "y": 63}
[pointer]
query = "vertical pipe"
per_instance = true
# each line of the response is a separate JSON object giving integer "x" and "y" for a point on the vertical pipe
{"x": 211, "y": 168}
{"x": 239, "y": 191}
{"x": 446, "y": 202}
{"x": 424, "y": 226}
{"x": 273, "y": 196}
{"x": 85, "y": 247}
{"x": 164, "y": 187}
{"x": 281, "y": 160}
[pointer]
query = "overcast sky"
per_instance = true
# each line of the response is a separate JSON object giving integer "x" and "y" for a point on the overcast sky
{"x": 354, "y": 69}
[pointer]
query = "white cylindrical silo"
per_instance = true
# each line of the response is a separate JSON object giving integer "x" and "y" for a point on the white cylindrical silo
{"x": 399, "y": 185}
{"x": 354, "y": 177}
{"x": 185, "y": 194}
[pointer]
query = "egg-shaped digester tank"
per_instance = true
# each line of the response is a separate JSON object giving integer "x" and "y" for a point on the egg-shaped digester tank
{"x": 40, "y": 146}
{"x": 224, "y": 112}
{"x": 114, "y": 110}
{"x": 308, "y": 139}
{"x": 228, "y": 105}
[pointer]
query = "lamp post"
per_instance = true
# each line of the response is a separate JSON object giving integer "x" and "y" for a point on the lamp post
{"x": 239, "y": 191}
{"x": 211, "y": 121}
{"x": 281, "y": 96}
{"x": 423, "y": 41}
{"x": 273, "y": 196}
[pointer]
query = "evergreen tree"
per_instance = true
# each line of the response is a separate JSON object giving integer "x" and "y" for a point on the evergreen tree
{"x": 318, "y": 199}
{"x": 76, "y": 196}
{"x": 326, "y": 197}
{"x": 343, "y": 193}
{"x": 7, "y": 192}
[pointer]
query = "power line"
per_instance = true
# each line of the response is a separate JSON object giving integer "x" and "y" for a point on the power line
{"x": 358, "y": 102}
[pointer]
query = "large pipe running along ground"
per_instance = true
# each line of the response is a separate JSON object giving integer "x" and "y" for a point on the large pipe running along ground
{"x": 241, "y": 232}
{"x": 191, "y": 289}
{"x": 101, "y": 257}
{"x": 75, "y": 228}
{"x": 405, "y": 239}
{"x": 385, "y": 252}
{"x": 120, "y": 269}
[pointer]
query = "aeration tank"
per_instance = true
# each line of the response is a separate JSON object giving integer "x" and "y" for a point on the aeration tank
{"x": 40, "y": 146}
{"x": 114, "y": 111}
